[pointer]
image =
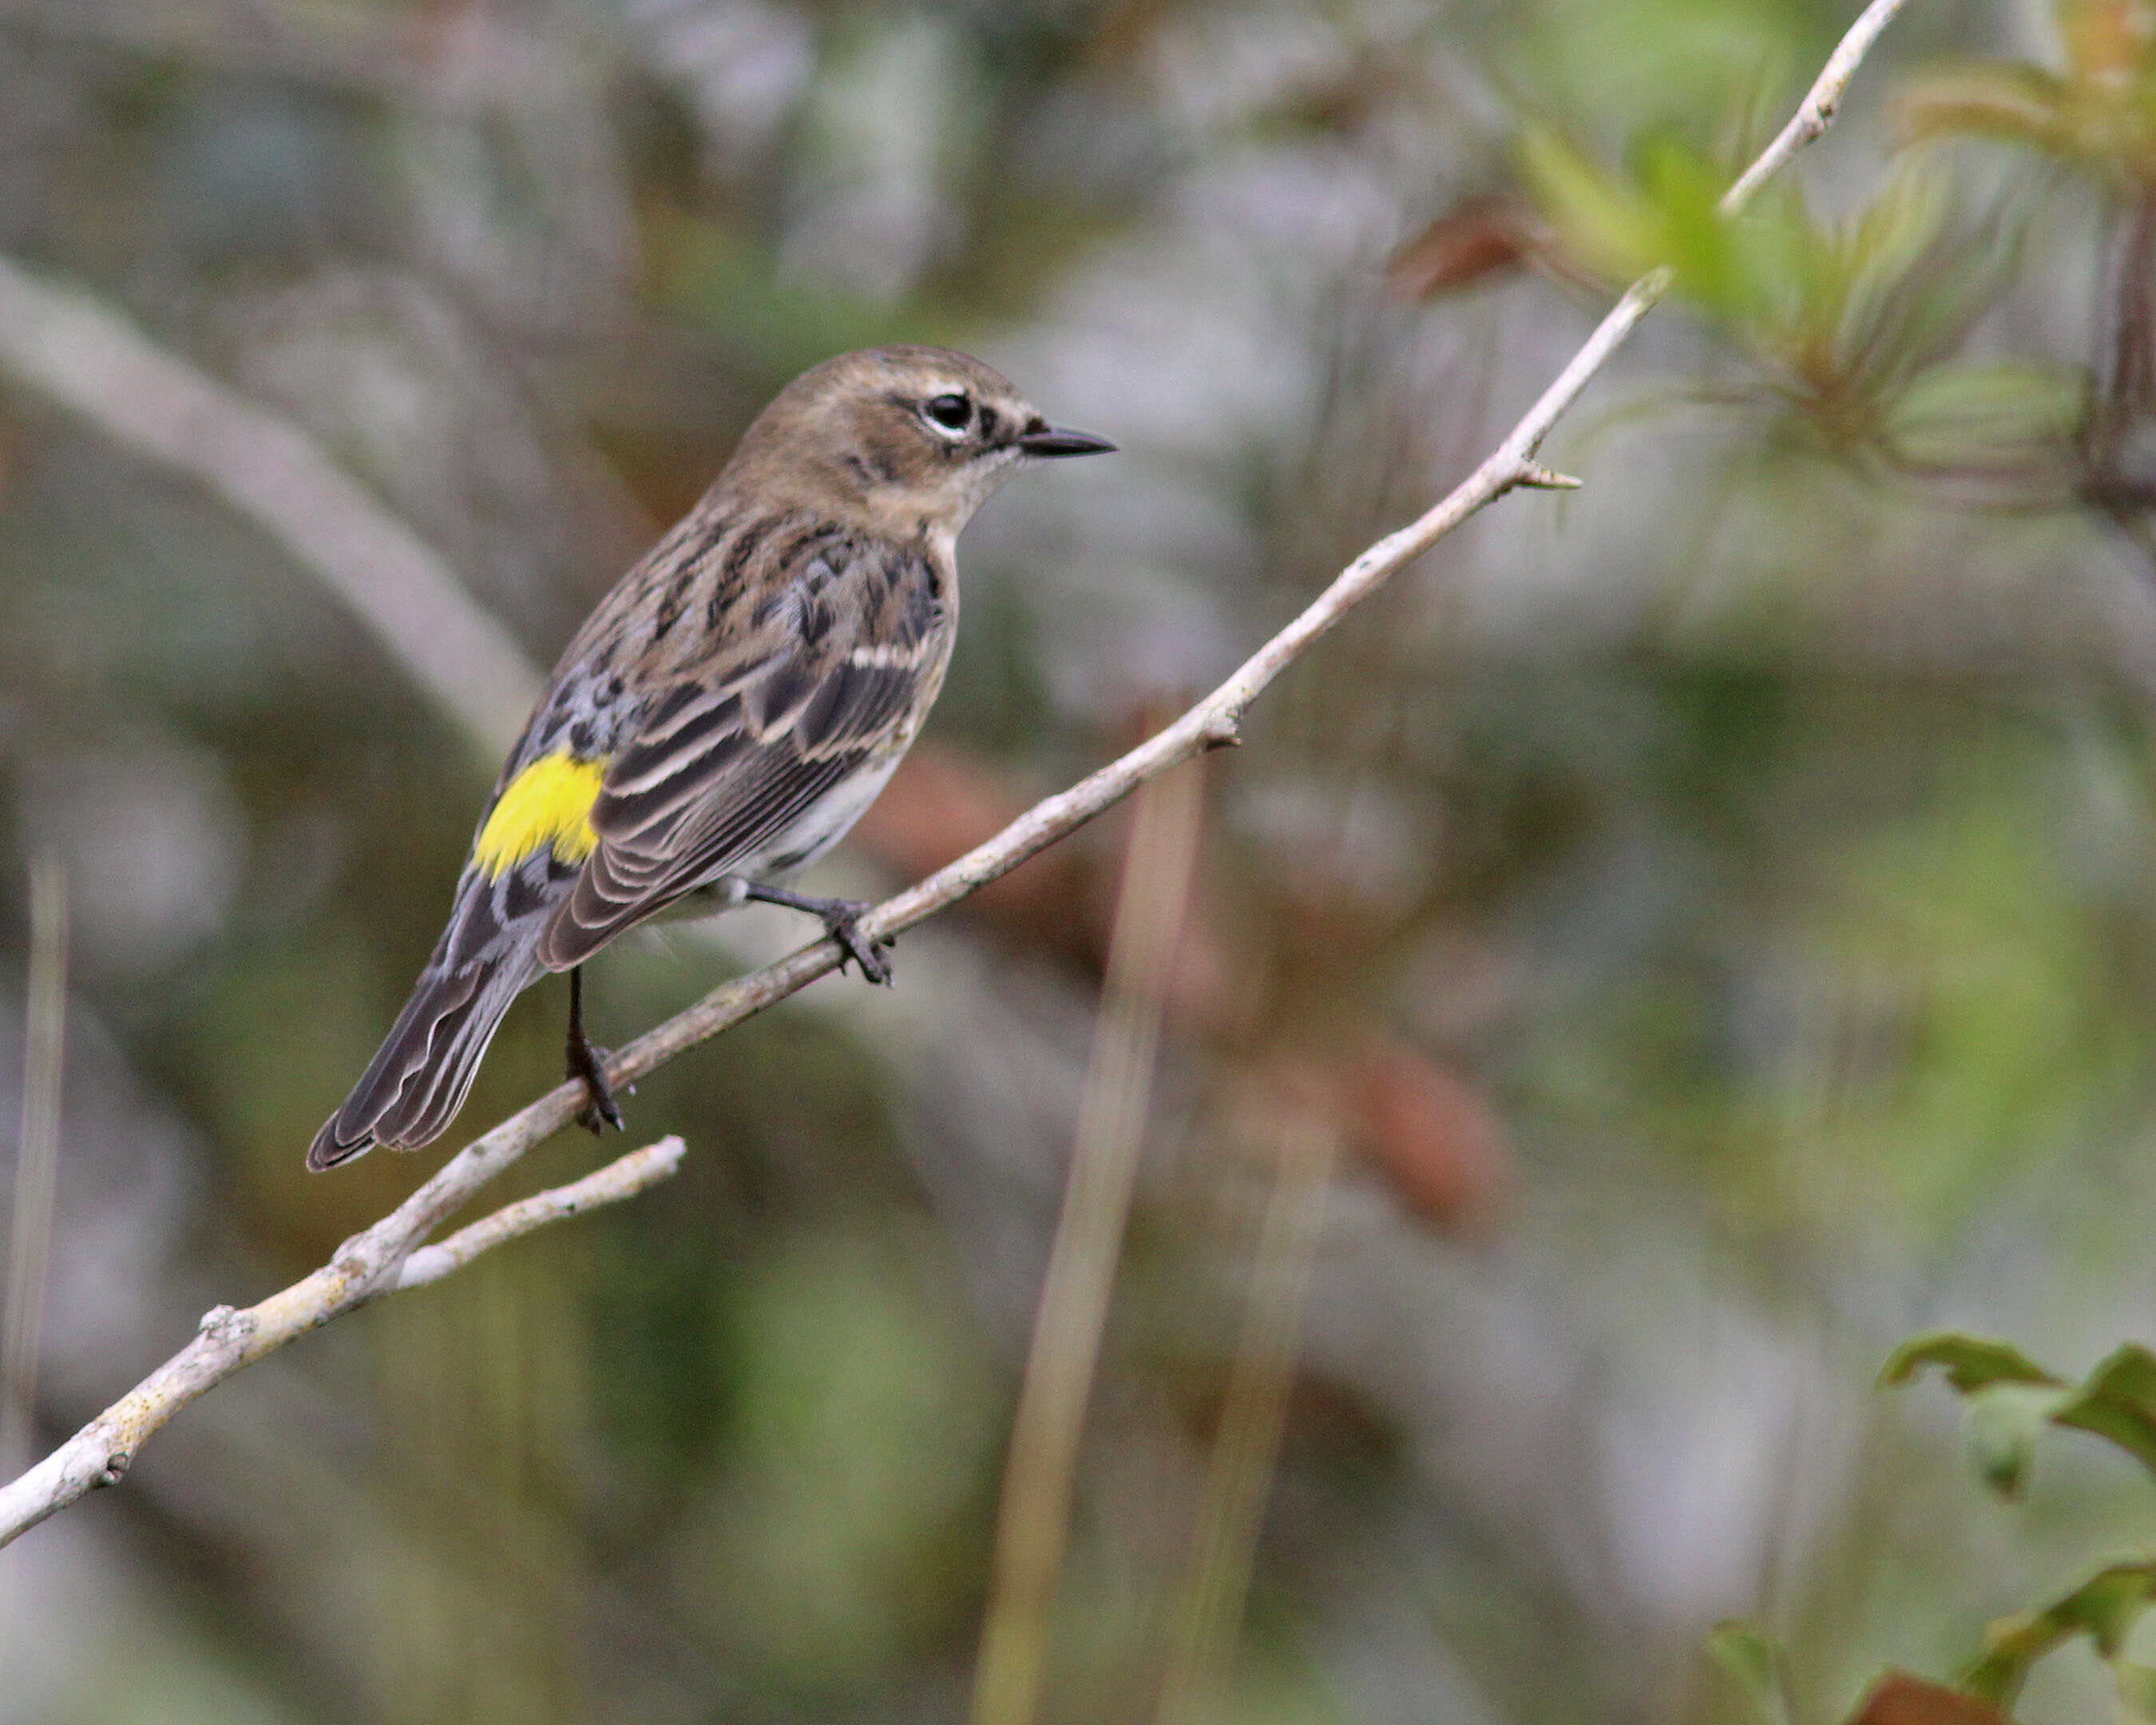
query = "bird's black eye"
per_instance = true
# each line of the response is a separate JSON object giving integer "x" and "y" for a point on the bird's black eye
{"x": 948, "y": 413}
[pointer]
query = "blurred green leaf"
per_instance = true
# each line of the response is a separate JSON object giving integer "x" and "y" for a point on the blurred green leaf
{"x": 1750, "y": 1656}
{"x": 2101, "y": 115}
{"x": 1850, "y": 322}
{"x": 1714, "y": 264}
{"x": 1974, "y": 415}
{"x": 2105, "y": 1608}
{"x": 2012, "y": 1399}
{"x": 1891, "y": 234}
{"x": 1897, "y": 285}
{"x": 1970, "y": 1363}
{"x": 2023, "y": 105}
{"x": 1608, "y": 226}
{"x": 2004, "y": 1422}
{"x": 1668, "y": 211}
{"x": 2118, "y": 1401}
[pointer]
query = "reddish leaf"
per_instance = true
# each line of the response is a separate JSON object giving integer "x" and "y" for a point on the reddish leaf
{"x": 1899, "y": 1699}
{"x": 1480, "y": 237}
{"x": 1432, "y": 1132}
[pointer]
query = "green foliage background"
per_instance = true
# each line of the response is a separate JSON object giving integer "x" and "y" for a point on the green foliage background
{"x": 1759, "y": 847}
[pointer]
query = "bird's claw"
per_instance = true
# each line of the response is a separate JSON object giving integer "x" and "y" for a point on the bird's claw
{"x": 842, "y": 922}
{"x": 844, "y": 926}
{"x": 601, "y": 1111}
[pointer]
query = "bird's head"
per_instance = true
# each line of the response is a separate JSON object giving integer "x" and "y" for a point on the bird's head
{"x": 904, "y": 439}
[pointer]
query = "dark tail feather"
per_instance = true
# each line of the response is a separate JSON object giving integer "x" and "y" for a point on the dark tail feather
{"x": 420, "y": 1077}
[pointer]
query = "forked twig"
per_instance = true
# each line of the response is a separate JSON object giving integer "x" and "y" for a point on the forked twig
{"x": 624, "y": 1177}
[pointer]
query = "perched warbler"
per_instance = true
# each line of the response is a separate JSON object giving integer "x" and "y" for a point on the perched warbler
{"x": 723, "y": 717}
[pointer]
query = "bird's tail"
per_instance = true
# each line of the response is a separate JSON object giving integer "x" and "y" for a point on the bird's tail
{"x": 420, "y": 1076}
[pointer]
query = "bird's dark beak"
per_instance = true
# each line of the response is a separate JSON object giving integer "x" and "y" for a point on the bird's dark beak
{"x": 1055, "y": 440}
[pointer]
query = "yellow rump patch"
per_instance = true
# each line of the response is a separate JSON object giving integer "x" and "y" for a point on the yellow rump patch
{"x": 549, "y": 802}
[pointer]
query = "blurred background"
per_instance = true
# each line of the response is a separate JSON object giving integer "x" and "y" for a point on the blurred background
{"x": 1683, "y": 936}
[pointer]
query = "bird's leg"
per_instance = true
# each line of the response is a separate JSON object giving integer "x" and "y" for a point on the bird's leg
{"x": 589, "y": 1064}
{"x": 841, "y": 918}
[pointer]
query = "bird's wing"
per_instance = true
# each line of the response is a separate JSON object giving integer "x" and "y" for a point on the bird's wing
{"x": 718, "y": 771}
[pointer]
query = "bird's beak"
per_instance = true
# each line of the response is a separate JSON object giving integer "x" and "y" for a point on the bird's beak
{"x": 1055, "y": 440}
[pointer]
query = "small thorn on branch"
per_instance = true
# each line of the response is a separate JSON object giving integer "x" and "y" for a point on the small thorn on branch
{"x": 1538, "y": 478}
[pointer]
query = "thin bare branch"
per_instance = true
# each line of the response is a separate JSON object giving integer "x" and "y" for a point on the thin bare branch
{"x": 151, "y": 401}
{"x": 624, "y": 1177}
{"x": 99, "y": 1455}
{"x": 1816, "y": 112}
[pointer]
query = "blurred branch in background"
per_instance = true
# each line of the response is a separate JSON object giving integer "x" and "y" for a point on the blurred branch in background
{"x": 1306, "y": 1148}
{"x": 1040, "y": 1472}
{"x": 368, "y": 1264}
{"x": 37, "y": 1166}
{"x": 155, "y": 404}
{"x": 37, "y": 1160}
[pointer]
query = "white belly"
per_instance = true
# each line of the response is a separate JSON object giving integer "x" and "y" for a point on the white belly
{"x": 821, "y": 826}
{"x": 818, "y": 829}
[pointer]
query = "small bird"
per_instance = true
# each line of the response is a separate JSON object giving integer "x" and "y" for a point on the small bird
{"x": 723, "y": 717}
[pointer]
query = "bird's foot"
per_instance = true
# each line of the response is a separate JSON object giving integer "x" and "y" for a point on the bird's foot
{"x": 844, "y": 926}
{"x": 842, "y": 922}
{"x": 588, "y": 1063}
